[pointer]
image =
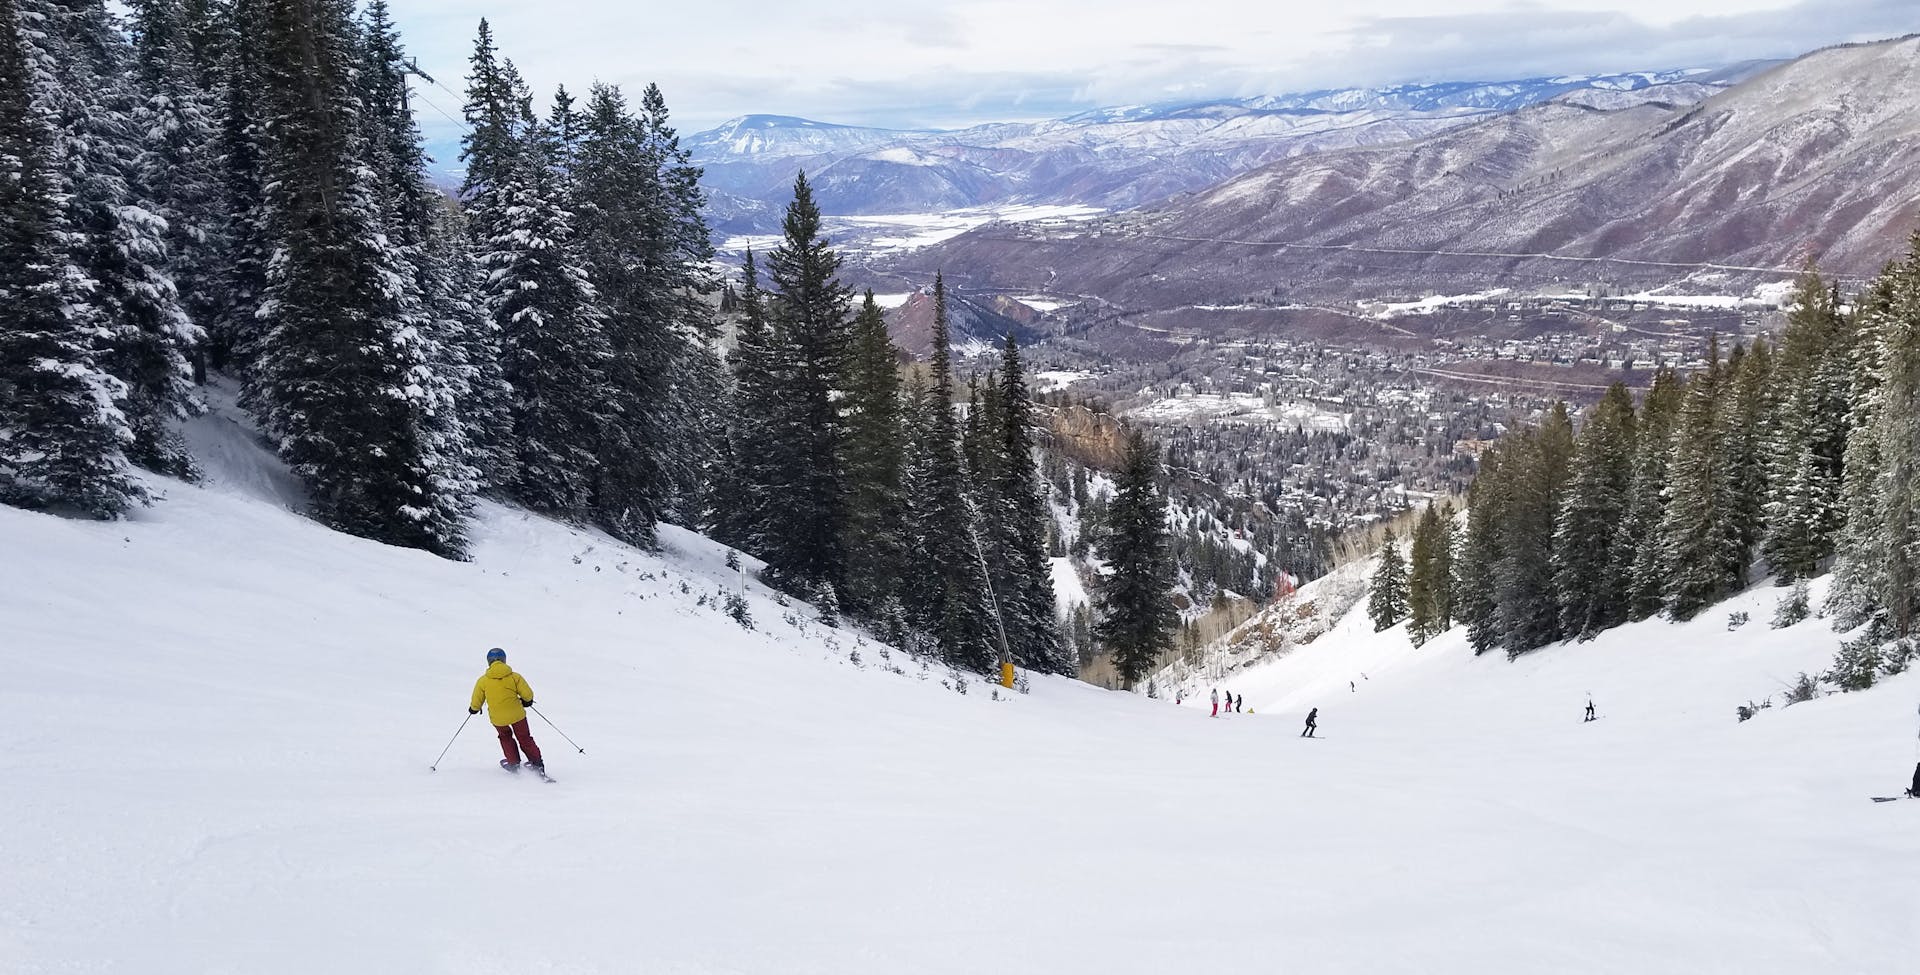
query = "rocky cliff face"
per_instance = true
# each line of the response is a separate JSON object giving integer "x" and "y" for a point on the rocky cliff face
{"x": 1096, "y": 440}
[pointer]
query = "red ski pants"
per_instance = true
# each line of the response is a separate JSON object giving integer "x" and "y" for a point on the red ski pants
{"x": 518, "y": 729}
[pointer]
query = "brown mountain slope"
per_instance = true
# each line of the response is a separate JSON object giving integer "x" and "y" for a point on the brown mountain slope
{"x": 1819, "y": 156}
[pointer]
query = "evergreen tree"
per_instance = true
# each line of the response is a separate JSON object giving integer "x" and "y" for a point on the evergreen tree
{"x": 953, "y": 596}
{"x": 1638, "y": 567}
{"x": 1017, "y": 522}
{"x": 749, "y": 497}
{"x": 808, "y": 309}
{"x": 337, "y": 377}
{"x": 1481, "y": 550}
{"x": 1596, "y": 503}
{"x": 1698, "y": 535}
{"x": 1430, "y": 576}
{"x": 874, "y": 462}
{"x": 1539, "y": 467}
{"x": 178, "y": 164}
{"x": 1387, "y": 597}
{"x": 241, "y": 245}
{"x": 1807, "y": 435}
{"x": 1136, "y": 618}
{"x": 116, "y": 234}
{"x": 62, "y": 432}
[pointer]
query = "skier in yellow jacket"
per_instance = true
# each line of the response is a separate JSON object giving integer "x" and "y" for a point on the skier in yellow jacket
{"x": 507, "y": 697}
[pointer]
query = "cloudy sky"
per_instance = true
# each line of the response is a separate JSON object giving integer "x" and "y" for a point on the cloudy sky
{"x": 944, "y": 63}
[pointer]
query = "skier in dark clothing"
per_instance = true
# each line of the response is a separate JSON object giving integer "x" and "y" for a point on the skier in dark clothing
{"x": 1590, "y": 714}
{"x": 1915, "y": 791}
{"x": 1313, "y": 721}
{"x": 1239, "y": 704}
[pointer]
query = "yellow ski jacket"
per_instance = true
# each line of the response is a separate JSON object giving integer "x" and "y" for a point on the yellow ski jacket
{"x": 504, "y": 691}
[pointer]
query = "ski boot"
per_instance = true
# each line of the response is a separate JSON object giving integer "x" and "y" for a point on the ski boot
{"x": 510, "y": 766}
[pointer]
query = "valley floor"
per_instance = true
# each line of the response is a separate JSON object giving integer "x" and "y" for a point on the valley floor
{"x": 220, "y": 719}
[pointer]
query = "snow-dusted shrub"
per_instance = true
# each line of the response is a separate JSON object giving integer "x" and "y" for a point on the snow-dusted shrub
{"x": 1793, "y": 608}
{"x": 1738, "y": 620}
{"x": 1804, "y": 688}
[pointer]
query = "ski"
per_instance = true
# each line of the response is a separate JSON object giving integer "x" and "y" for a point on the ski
{"x": 1888, "y": 798}
{"x": 544, "y": 777}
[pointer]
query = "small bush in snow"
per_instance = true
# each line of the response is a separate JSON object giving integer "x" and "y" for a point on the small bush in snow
{"x": 1020, "y": 684}
{"x": 1793, "y": 608}
{"x": 684, "y": 588}
{"x": 853, "y": 657}
{"x": 1737, "y": 620}
{"x": 1805, "y": 688}
{"x": 736, "y": 610}
{"x": 1860, "y": 660}
{"x": 733, "y": 560}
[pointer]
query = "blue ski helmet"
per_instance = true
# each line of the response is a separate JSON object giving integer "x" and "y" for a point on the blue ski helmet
{"x": 496, "y": 654}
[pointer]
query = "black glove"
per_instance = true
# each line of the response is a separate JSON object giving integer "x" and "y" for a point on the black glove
{"x": 473, "y": 710}
{"x": 526, "y": 704}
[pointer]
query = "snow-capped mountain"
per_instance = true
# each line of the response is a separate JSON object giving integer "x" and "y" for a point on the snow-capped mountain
{"x": 1111, "y": 157}
{"x": 1119, "y": 157}
{"x": 1819, "y": 156}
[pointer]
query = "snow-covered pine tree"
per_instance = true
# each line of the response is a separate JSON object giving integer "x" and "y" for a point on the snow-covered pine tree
{"x": 873, "y": 535}
{"x": 62, "y": 432}
{"x": 747, "y": 499}
{"x": 1698, "y": 533}
{"x": 1806, "y": 437}
{"x": 1019, "y": 511}
{"x": 117, "y": 234}
{"x": 953, "y": 599}
{"x": 1877, "y": 577}
{"x": 338, "y": 379}
{"x": 1136, "y": 619}
{"x": 1481, "y": 549}
{"x": 1387, "y": 594}
{"x": 1751, "y": 394}
{"x": 1529, "y": 610}
{"x": 178, "y": 163}
{"x": 1430, "y": 576}
{"x": 1595, "y": 504}
{"x": 242, "y": 246}
{"x": 679, "y": 262}
{"x": 807, "y": 306}
{"x": 1637, "y": 565}
{"x": 452, "y": 334}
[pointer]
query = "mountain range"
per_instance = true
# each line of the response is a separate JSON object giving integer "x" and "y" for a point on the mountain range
{"x": 1118, "y": 157}
{"x": 1815, "y": 158}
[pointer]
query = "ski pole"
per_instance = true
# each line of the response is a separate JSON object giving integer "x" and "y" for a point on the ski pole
{"x": 556, "y": 728}
{"x": 435, "y": 767}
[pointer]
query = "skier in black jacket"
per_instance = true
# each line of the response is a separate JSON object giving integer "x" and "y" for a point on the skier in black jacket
{"x": 1313, "y": 721}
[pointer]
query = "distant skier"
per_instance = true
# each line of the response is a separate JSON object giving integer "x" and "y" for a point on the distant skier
{"x": 1590, "y": 714}
{"x": 1216, "y": 703}
{"x": 1239, "y": 704}
{"x": 1915, "y": 791}
{"x": 1352, "y": 689}
{"x": 507, "y": 697}
{"x": 1313, "y": 721}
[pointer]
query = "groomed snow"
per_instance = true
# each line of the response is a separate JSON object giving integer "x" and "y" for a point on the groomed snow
{"x": 220, "y": 720}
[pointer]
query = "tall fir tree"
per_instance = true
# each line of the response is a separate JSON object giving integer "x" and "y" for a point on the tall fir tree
{"x": 748, "y": 499}
{"x": 1806, "y": 437}
{"x": 242, "y": 247}
{"x": 63, "y": 435}
{"x": 807, "y": 307}
{"x": 950, "y": 603}
{"x": 337, "y": 377}
{"x": 1638, "y": 566}
{"x": 1699, "y": 534}
{"x": 1539, "y": 467}
{"x": 1387, "y": 594}
{"x": 1430, "y": 575}
{"x": 874, "y": 540}
{"x": 178, "y": 163}
{"x": 1017, "y": 521}
{"x": 1598, "y": 491}
{"x": 116, "y": 233}
{"x": 1474, "y": 597}
{"x": 1136, "y": 620}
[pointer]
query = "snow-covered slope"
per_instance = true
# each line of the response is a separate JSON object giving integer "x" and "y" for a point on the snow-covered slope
{"x": 220, "y": 717}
